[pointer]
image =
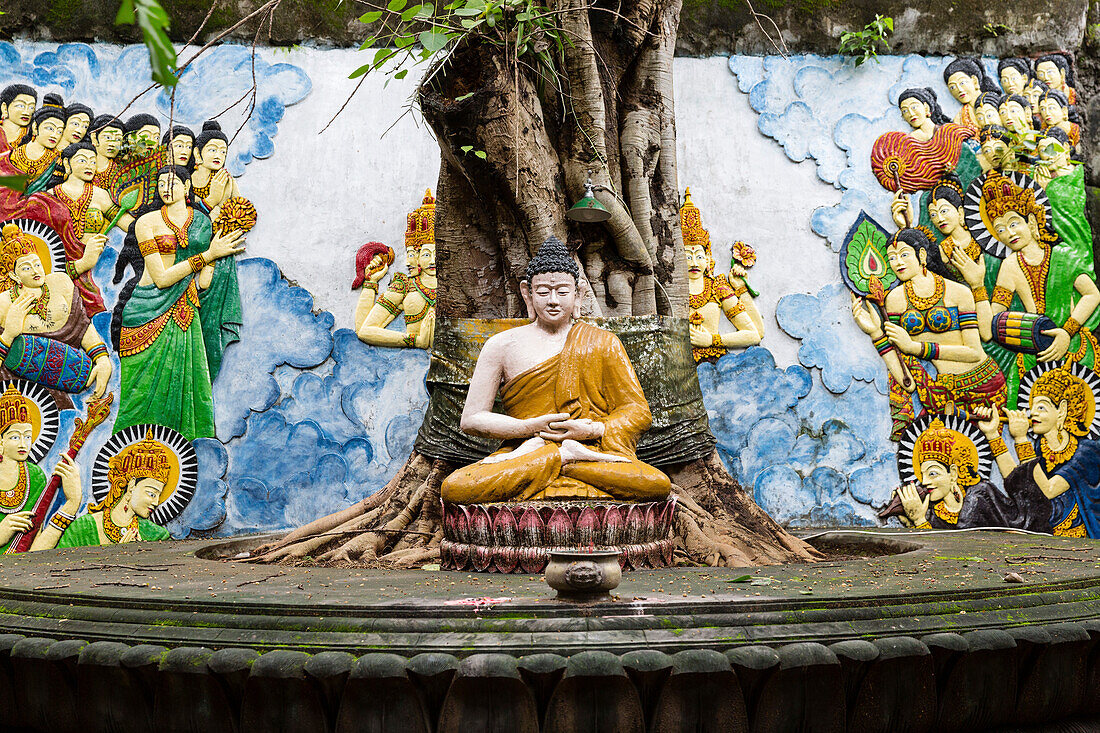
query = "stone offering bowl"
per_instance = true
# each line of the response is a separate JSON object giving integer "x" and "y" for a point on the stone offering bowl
{"x": 584, "y": 575}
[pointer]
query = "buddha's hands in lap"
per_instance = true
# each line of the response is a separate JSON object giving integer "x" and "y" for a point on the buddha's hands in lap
{"x": 528, "y": 446}
{"x": 579, "y": 430}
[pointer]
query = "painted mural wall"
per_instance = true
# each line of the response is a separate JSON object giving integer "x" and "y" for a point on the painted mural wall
{"x": 301, "y": 394}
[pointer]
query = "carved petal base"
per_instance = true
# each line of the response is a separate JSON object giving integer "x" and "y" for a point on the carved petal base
{"x": 518, "y": 537}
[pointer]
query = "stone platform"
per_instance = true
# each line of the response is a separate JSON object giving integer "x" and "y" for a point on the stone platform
{"x": 932, "y": 639}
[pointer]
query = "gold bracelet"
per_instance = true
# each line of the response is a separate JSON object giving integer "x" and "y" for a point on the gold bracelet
{"x": 196, "y": 263}
{"x": 716, "y": 340}
{"x": 980, "y": 294}
{"x": 61, "y": 520}
{"x": 923, "y": 525}
{"x": 1071, "y": 326}
{"x": 998, "y": 447}
{"x": 1025, "y": 451}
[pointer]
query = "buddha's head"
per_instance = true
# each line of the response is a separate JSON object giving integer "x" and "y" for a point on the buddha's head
{"x": 143, "y": 131}
{"x": 1018, "y": 219}
{"x": 1053, "y": 70}
{"x": 78, "y": 161}
{"x": 1053, "y": 108}
{"x": 1014, "y": 74}
{"x": 16, "y": 430}
{"x": 995, "y": 141}
{"x": 48, "y": 123}
{"x": 945, "y": 205}
{"x": 173, "y": 184}
{"x": 1060, "y": 400}
{"x": 964, "y": 77}
{"x": 78, "y": 118}
{"x": 912, "y": 250}
{"x": 549, "y": 286}
{"x": 107, "y": 132}
{"x": 180, "y": 141}
{"x": 919, "y": 106}
{"x": 1054, "y": 147}
{"x": 211, "y": 147}
{"x": 986, "y": 109}
{"x": 17, "y": 103}
{"x": 945, "y": 461}
{"x": 139, "y": 475}
{"x": 1016, "y": 114}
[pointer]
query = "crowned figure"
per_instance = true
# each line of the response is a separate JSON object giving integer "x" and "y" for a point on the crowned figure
{"x": 710, "y": 295}
{"x": 413, "y": 295}
{"x": 138, "y": 476}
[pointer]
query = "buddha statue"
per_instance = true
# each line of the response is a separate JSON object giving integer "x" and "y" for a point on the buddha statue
{"x": 17, "y": 103}
{"x": 573, "y": 407}
{"x": 413, "y": 294}
{"x": 710, "y": 295}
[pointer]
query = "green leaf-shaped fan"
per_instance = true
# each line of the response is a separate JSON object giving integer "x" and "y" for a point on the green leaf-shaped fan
{"x": 863, "y": 262}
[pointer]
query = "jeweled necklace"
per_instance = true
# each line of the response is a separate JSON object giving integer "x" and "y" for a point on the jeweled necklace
{"x": 428, "y": 293}
{"x": 1037, "y": 277}
{"x": 925, "y": 303}
{"x": 1056, "y": 458}
{"x": 78, "y": 207}
{"x": 698, "y": 301}
{"x": 112, "y": 530}
{"x": 33, "y": 168}
{"x": 40, "y": 306}
{"x": 180, "y": 232}
{"x": 11, "y": 500}
{"x": 946, "y": 514}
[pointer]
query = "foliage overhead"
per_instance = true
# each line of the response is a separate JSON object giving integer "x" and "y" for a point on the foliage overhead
{"x": 153, "y": 21}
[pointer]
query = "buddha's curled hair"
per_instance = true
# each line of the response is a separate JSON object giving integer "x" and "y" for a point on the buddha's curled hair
{"x": 553, "y": 256}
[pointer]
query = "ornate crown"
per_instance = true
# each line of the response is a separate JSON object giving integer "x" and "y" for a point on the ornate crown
{"x": 13, "y": 245}
{"x": 420, "y": 229}
{"x": 14, "y": 408}
{"x": 951, "y": 448}
{"x": 691, "y": 226}
{"x": 1059, "y": 384}
{"x": 1000, "y": 195}
{"x": 148, "y": 458}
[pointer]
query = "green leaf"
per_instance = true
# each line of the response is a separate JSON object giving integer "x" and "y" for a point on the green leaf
{"x": 427, "y": 10}
{"x": 466, "y": 148}
{"x": 368, "y": 43}
{"x": 464, "y": 96}
{"x": 396, "y": 6}
{"x": 433, "y": 41}
{"x": 470, "y": 23}
{"x": 411, "y": 13}
{"x": 480, "y": 154}
{"x": 467, "y": 12}
{"x": 360, "y": 71}
{"x": 404, "y": 41}
{"x": 382, "y": 55}
{"x": 125, "y": 13}
{"x": 15, "y": 183}
{"x": 401, "y": 74}
{"x": 153, "y": 21}
{"x": 524, "y": 16}
{"x": 740, "y": 579}
{"x": 370, "y": 17}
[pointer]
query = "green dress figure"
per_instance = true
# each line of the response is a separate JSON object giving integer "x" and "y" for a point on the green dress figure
{"x": 179, "y": 317}
{"x": 138, "y": 476}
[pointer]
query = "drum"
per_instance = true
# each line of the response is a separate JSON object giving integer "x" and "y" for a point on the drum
{"x": 1022, "y": 332}
{"x": 49, "y": 362}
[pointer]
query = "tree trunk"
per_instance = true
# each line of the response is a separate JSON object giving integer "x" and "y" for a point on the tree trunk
{"x": 608, "y": 109}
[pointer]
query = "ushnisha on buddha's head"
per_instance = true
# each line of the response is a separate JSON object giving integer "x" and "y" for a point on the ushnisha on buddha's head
{"x": 549, "y": 286}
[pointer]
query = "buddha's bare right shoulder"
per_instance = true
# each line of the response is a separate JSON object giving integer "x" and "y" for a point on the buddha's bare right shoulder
{"x": 504, "y": 340}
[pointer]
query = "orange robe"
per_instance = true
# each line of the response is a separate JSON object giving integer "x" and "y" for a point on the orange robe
{"x": 591, "y": 378}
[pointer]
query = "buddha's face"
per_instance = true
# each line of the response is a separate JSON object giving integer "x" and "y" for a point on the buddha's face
{"x": 181, "y": 149}
{"x": 1012, "y": 81}
{"x": 1051, "y": 112}
{"x": 1046, "y": 417}
{"x": 20, "y": 110}
{"x": 47, "y": 133}
{"x": 171, "y": 188}
{"x": 16, "y": 441}
{"x": 108, "y": 142}
{"x": 986, "y": 115}
{"x": 145, "y": 495}
{"x": 75, "y": 128}
{"x": 997, "y": 153}
{"x": 28, "y": 271}
{"x": 945, "y": 215}
{"x": 1015, "y": 117}
{"x": 426, "y": 258}
{"x": 903, "y": 261}
{"x": 938, "y": 479}
{"x": 1050, "y": 74}
{"x": 697, "y": 261}
{"x": 914, "y": 111}
{"x": 213, "y": 155}
{"x": 1014, "y": 231}
{"x": 82, "y": 165}
{"x": 964, "y": 87}
{"x": 553, "y": 296}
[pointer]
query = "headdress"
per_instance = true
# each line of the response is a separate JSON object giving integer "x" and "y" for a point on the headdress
{"x": 553, "y": 256}
{"x": 1000, "y": 195}
{"x": 1061, "y": 384}
{"x": 691, "y": 227}
{"x": 14, "y": 408}
{"x": 420, "y": 226}
{"x": 949, "y": 447}
{"x": 148, "y": 458}
{"x": 13, "y": 245}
